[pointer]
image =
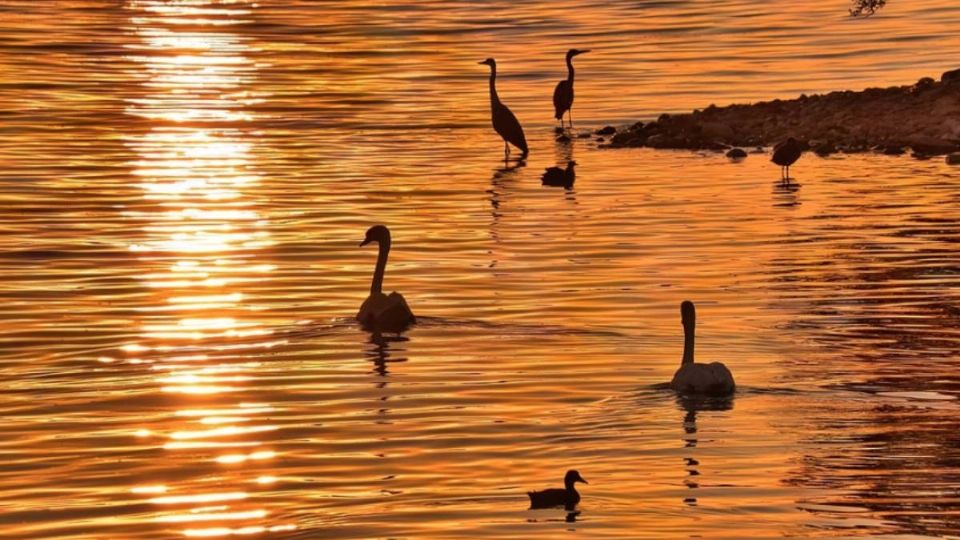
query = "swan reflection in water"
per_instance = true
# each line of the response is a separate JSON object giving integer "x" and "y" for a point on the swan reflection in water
{"x": 691, "y": 405}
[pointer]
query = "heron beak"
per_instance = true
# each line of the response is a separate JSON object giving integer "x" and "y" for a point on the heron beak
{"x": 584, "y": 51}
{"x": 484, "y": 62}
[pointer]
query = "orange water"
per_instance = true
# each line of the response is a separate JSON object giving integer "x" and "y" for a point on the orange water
{"x": 184, "y": 185}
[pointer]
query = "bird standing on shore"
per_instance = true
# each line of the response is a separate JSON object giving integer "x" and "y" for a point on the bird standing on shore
{"x": 504, "y": 122}
{"x": 563, "y": 93}
{"x": 712, "y": 379}
{"x": 381, "y": 312}
{"x": 566, "y": 497}
{"x": 785, "y": 154}
{"x": 555, "y": 176}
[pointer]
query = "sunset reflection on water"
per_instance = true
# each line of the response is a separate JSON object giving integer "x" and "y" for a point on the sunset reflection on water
{"x": 206, "y": 240}
{"x": 186, "y": 183}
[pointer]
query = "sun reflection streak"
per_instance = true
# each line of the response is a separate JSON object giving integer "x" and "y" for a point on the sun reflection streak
{"x": 202, "y": 243}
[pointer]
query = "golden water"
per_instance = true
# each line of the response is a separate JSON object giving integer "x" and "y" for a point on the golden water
{"x": 185, "y": 183}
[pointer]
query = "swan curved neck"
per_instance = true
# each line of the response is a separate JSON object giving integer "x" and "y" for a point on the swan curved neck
{"x": 376, "y": 286}
{"x": 570, "y": 68}
{"x": 493, "y": 85}
{"x": 689, "y": 331}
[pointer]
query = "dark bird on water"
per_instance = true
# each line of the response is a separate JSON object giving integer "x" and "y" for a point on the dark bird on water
{"x": 712, "y": 379}
{"x": 381, "y": 312}
{"x": 563, "y": 93}
{"x": 504, "y": 122}
{"x": 566, "y": 497}
{"x": 555, "y": 176}
{"x": 785, "y": 154}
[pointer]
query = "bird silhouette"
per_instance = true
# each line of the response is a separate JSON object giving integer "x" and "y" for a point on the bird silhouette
{"x": 566, "y": 497}
{"x": 563, "y": 93}
{"x": 555, "y": 176}
{"x": 504, "y": 122}
{"x": 381, "y": 312}
{"x": 785, "y": 154}
{"x": 712, "y": 379}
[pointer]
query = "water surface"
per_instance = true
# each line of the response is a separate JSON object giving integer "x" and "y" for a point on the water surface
{"x": 185, "y": 184}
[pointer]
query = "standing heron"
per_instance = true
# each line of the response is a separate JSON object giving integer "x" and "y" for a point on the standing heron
{"x": 504, "y": 122}
{"x": 563, "y": 93}
{"x": 785, "y": 154}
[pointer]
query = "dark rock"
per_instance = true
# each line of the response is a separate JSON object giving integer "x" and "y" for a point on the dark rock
{"x": 924, "y": 116}
{"x": 953, "y": 159}
{"x": 599, "y": 139}
{"x": 736, "y": 153}
{"x": 606, "y": 130}
{"x": 930, "y": 146}
{"x": 824, "y": 148}
{"x": 894, "y": 150}
{"x": 584, "y": 136}
{"x": 951, "y": 76}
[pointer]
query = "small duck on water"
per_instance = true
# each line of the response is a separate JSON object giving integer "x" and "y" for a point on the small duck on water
{"x": 566, "y": 497}
{"x": 555, "y": 176}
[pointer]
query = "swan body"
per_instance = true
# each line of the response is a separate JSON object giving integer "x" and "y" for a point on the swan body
{"x": 785, "y": 154}
{"x": 555, "y": 176}
{"x": 505, "y": 123}
{"x": 563, "y": 93}
{"x": 383, "y": 312}
{"x": 566, "y": 497}
{"x": 713, "y": 379}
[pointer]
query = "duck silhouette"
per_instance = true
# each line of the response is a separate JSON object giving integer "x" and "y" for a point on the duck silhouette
{"x": 712, "y": 379}
{"x": 566, "y": 497}
{"x": 381, "y": 312}
{"x": 555, "y": 176}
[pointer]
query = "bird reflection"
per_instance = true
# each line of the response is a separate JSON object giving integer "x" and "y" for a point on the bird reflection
{"x": 692, "y": 404}
{"x": 785, "y": 195}
{"x": 378, "y": 351}
{"x": 498, "y": 186}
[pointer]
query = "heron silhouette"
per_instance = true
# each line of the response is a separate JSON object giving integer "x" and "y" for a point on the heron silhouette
{"x": 504, "y": 122}
{"x": 785, "y": 154}
{"x": 563, "y": 93}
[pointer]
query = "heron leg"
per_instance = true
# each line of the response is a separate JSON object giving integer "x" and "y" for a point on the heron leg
{"x": 506, "y": 150}
{"x": 570, "y": 114}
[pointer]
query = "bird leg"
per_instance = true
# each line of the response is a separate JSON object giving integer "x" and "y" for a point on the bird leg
{"x": 570, "y": 115}
{"x": 506, "y": 151}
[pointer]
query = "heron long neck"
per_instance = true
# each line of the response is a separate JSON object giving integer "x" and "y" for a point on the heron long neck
{"x": 570, "y": 68}
{"x": 689, "y": 330}
{"x": 376, "y": 287}
{"x": 493, "y": 85}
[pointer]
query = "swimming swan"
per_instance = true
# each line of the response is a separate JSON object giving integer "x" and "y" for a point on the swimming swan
{"x": 381, "y": 312}
{"x": 712, "y": 379}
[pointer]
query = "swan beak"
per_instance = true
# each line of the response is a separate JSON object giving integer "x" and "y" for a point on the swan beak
{"x": 365, "y": 242}
{"x": 583, "y": 480}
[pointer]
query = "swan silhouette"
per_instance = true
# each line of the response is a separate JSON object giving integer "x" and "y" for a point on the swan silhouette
{"x": 381, "y": 312}
{"x": 566, "y": 497}
{"x": 504, "y": 122}
{"x": 712, "y": 379}
{"x": 563, "y": 93}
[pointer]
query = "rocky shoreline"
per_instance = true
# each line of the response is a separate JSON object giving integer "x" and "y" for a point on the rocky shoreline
{"x": 923, "y": 118}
